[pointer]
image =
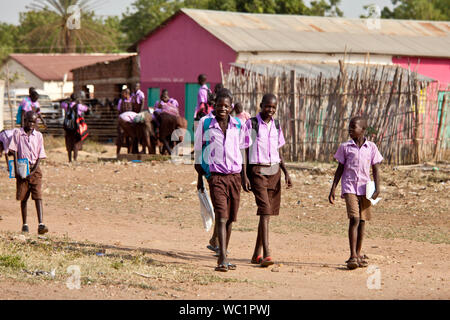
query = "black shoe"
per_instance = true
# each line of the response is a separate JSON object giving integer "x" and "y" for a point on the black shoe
{"x": 42, "y": 229}
{"x": 25, "y": 228}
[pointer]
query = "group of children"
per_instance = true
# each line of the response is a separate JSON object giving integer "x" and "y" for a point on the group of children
{"x": 235, "y": 153}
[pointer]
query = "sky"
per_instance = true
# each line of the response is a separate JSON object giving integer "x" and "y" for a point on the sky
{"x": 9, "y": 12}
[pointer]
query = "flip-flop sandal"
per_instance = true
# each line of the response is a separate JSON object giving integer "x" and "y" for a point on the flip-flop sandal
{"x": 362, "y": 263}
{"x": 222, "y": 267}
{"x": 231, "y": 266}
{"x": 352, "y": 263}
{"x": 257, "y": 260}
{"x": 266, "y": 262}
{"x": 212, "y": 248}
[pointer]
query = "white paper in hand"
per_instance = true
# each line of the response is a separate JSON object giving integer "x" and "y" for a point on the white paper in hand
{"x": 206, "y": 210}
{"x": 370, "y": 189}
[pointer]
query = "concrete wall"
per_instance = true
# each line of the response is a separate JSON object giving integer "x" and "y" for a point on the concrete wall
{"x": 27, "y": 79}
{"x": 178, "y": 53}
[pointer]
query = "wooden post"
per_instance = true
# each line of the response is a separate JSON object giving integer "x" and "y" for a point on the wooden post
{"x": 438, "y": 136}
{"x": 294, "y": 117}
{"x": 221, "y": 73}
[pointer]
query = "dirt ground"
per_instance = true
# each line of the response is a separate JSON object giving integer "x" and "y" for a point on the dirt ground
{"x": 152, "y": 208}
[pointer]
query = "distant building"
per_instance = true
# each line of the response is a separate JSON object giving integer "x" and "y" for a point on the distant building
{"x": 197, "y": 41}
{"x": 107, "y": 78}
{"x": 51, "y": 73}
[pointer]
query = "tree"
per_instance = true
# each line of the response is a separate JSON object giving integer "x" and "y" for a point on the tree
{"x": 325, "y": 8}
{"x": 68, "y": 25}
{"x": 145, "y": 16}
{"x": 418, "y": 10}
{"x": 8, "y": 36}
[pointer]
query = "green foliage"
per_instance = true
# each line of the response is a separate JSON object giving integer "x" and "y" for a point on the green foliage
{"x": 13, "y": 262}
{"x": 418, "y": 10}
{"x": 145, "y": 16}
{"x": 8, "y": 36}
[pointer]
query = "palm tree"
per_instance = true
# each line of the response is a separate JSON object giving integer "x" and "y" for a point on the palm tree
{"x": 67, "y": 34}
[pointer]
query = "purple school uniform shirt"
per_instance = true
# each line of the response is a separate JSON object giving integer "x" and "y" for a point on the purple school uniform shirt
{"x": 30, "y": 147}
{"x": 119, "y": 104}
{"x": 28, "y": 105}
{"x": 357, "y": 162}
{"x": 140, "y": 96}
{"x": 81, "y": 107}
{"x": 223, "y": 153}
{"x": 5, "y": 138}
{"x": 128, "y": 116}
{"x": 202, "y": 97}
{"x": 268, "y": 140}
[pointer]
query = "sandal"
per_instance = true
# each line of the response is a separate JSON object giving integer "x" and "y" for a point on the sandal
{"x": 362, "y": 263}
{"x": 231, "y": 266}
{"x": 352, "y": 263}
{"x": 212, "y": 248}
{"x": 222, "y": 267}
{"x": 257, "y": 260}
{"x": 266, "y": 262}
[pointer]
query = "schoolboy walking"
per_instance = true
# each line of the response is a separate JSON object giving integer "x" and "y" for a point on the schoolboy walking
{"x": 263, "y": 175}
{"x": 219, "y": 140}
{"x": 28, "y": 143}
{"x": 355, "y": 157}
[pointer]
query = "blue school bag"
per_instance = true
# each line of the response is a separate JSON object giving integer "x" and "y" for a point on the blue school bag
{"x": 206, "y": 124}
{"x": 19, "y": 111}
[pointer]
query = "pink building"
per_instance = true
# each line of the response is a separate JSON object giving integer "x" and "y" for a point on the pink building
{"x": 198, "y": 41}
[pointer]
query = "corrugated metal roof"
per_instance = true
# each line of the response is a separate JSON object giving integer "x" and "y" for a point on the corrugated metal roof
{"x": 328, "y": 70}
{"x": 245, "y": 32}
{"x": 50, "y": 67}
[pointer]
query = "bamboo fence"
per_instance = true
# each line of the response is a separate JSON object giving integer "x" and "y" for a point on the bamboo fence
{"x": 403, "y": 113}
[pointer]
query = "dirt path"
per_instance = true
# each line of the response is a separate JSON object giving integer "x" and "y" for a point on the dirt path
{"x": 153, "y": 206}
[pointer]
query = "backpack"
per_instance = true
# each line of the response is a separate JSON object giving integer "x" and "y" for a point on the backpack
{"x": 19, "y": 112}
{"x": 82, "y": 129}
{"x": 206, "y": 125}
{"x": 70, "y": 119}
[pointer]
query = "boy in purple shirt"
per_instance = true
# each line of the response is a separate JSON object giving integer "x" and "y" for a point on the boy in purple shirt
{"x": 27, "y": 143}
{"x": 226, "y": 137}
{"x": 355, "y": 157}
{"x": 138, "y": 98}
{"x": 264, "y": 174}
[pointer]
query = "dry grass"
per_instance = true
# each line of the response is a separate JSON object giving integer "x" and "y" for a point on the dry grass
{"x": 33, "y": 259}
{"x": 89, "y": 145}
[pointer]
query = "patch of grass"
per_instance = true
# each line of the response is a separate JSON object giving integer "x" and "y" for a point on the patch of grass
{"x": 119, "y": 266}
{"x": 52, "y": 142}
{"x": 93, "y": 146}
{"x": 12, "y": 261}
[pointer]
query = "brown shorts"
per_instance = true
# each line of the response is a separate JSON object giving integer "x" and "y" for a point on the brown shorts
{"x": 32, "y": 184}
{"x": 267, "y": 190}
{"x": 225, "y": 192}
{"x": 357, "y": 206}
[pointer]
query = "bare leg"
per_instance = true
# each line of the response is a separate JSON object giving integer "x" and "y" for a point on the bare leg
{"x": 39, "y": 211}
{"x": 352, "y": 236}
{"x": 360, "y": 237}
{"x": 23, "y": 208}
